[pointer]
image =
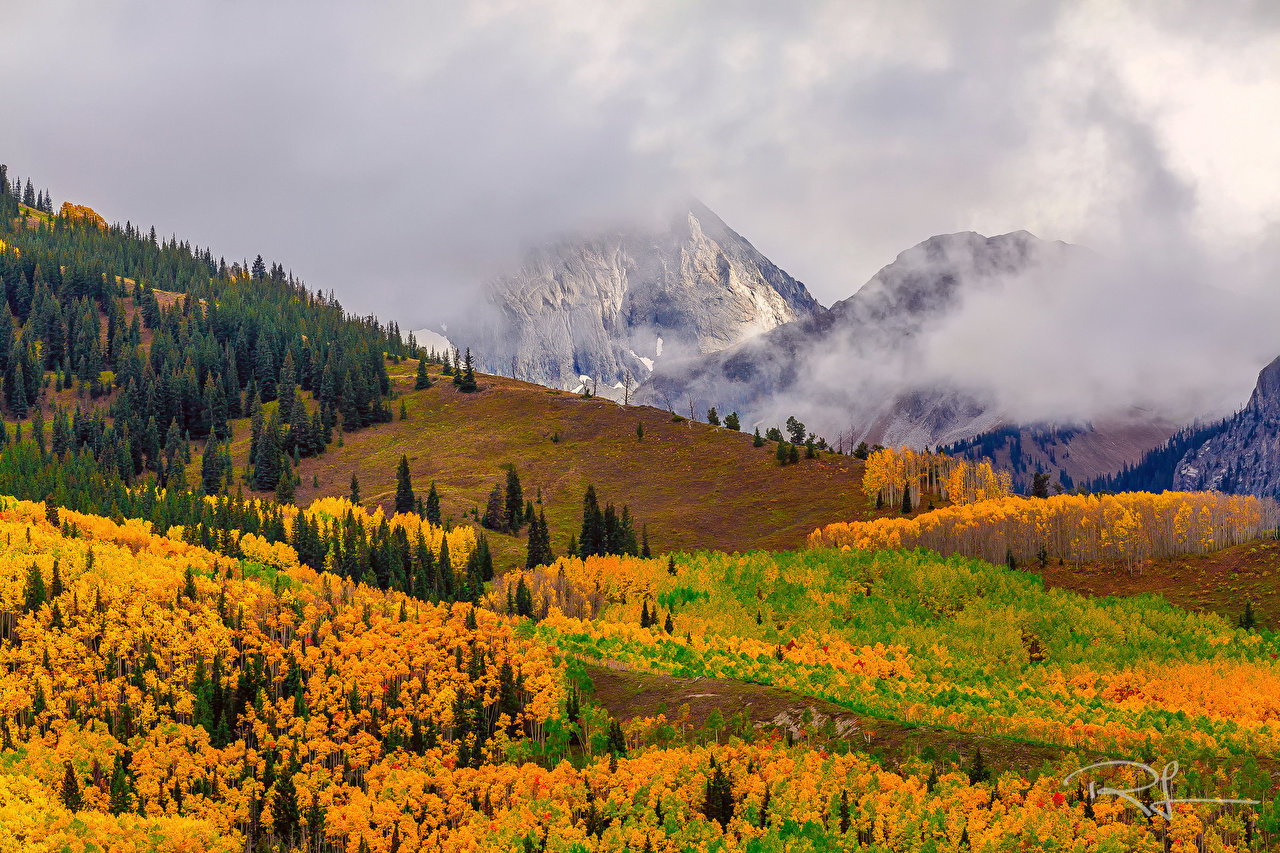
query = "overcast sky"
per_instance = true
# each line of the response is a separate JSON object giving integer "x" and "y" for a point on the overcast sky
{"x": 396, "y": 152}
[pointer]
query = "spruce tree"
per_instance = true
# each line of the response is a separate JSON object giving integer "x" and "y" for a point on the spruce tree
{"x": 591, "y": 541}
{"x": 757, "y": 440}
{"x": 70, "y": 788}
{"x": 1248, "y": 621}
{"x": 433, "y": 505}
{"x": 211, "y": 467}
{"x": 493, "y": 513}
{"x": 284, "y": 807}
{"x": 355, "y": 489}
{"x": 731, "y": 422}
{"x": 978, "y": 771}
{"x": 524, "y": 599}
{"x": 34, "y": 594}
{"x": 404, "y": 488}
{"x": 468, "y": 381}
{"x": 120, "y": 796}
{"x": 514, "y": 508}
{"x": 422, "y": 380}
{"x": 285, "y": 486}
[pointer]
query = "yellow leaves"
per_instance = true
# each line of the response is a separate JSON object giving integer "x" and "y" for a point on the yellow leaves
{"x": 80, "y": 214}
{"x": 277, "y": 555}
{"x": 960, "y": 481}
{"x": 32, "y": 820}
{"x": 1132, "y": 527}
{"x": 132, "y": 639}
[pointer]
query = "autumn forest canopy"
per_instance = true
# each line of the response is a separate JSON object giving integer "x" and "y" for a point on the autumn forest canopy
{"x": 275, "y": 577}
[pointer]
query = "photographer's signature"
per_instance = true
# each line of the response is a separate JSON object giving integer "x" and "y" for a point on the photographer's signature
{"x": 1163, "y": 807}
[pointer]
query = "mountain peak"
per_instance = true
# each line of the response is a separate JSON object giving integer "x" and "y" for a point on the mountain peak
{"x": 610, "y": 305}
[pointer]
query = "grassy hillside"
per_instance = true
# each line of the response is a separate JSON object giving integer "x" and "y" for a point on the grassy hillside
{"x": 1221, "y": 582}
{"x": 694, "y": 485}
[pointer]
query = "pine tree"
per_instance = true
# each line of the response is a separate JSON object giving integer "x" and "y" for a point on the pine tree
{"x": 713, "y": 417}
{"x": 34, "y": 594}
{"x": 422, "y": 380}
{"x": 513, "y": 511}
{"x": 468, "y": 382}
{"x": 731, "y": 422}
{"x": 906, "y": 499}
{"x": 284, "y": 808}
{"x": 493, "y": 513}
{"x": 285, "y": 487}
{"x": 120, "y": 797}
{"x": 404, "y": 488}
{"x": 1248, "y": 621}
{"x": 718, "y": 803}
{"x": 70, "y": 788}
{"x": 211, "y": 467}
{"x": 1040, "y": 485}
{"x": 591, "y": 541}
{"x": 617, "y": 743}
{"x": 433, "y": 505}
{"x": 524, "y": 599}
{"x": 978, "y": 771}
{"x": 267, "y": 469}
{"x": 795, "y": 430}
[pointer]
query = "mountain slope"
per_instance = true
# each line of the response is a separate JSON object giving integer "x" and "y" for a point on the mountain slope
{"x": 1069, "y": 454}
{"x": 694, "y": 485}
{"x": 1243, "y": 457}
{"x": 860, "y": 365}
{"x": 613, "y": 304}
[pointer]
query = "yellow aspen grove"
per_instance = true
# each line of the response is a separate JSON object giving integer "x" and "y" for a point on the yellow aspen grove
{"x": 959, "y": 481}
{"x": 1131, "y": 528}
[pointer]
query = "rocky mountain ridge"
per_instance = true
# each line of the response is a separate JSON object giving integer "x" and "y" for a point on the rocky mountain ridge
{"x": 855, "y": 370}
{"x": 607, "y": 308}
{"x": 1243, "y": 457}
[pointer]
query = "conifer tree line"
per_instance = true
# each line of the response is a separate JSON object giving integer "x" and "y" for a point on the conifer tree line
{"x": 605, "y": 533}
{"x": 239, "y": 336}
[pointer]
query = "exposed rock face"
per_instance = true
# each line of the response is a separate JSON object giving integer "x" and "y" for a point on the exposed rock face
{"x": 853, "y": 371}
{"x": 1244, "y": 457}
{"x": 613, "y": 305}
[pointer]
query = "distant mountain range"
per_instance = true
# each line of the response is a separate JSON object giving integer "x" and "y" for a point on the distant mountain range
{"x": 605, "y": 309}
{"x": 692, "y": 316}
{"x": 859, "y": 368}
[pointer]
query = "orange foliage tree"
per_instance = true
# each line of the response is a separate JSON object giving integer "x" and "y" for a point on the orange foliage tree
{"x": 1132, "y": 527}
